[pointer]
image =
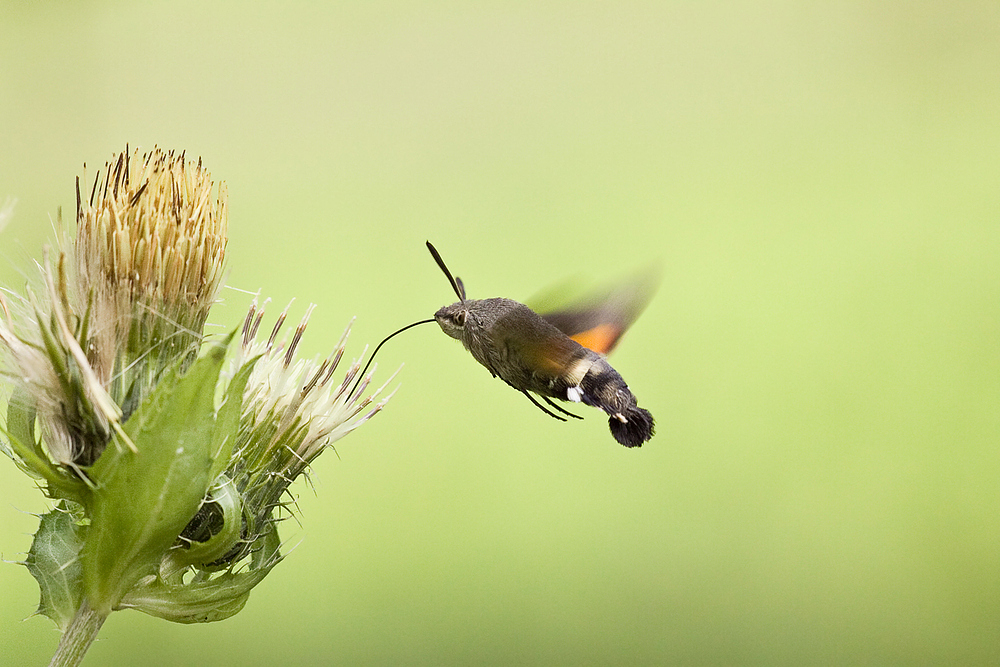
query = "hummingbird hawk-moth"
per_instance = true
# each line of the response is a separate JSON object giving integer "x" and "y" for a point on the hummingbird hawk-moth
{"x": 557, "y": 355}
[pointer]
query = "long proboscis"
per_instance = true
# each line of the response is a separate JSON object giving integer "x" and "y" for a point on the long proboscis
{"x": 456, "y": 284}
{"x": 379, "y": 347}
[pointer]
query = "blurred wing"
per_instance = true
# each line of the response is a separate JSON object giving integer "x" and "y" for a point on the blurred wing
{"x": 551, "y": 358}
{"x": 533, "y": 345}
{"x": 598, "y": 320}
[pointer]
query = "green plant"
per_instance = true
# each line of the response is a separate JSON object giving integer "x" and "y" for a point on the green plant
{"x": 168, "y": 465}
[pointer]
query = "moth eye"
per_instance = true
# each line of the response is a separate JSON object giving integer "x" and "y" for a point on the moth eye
{"x": 459, "y": 318}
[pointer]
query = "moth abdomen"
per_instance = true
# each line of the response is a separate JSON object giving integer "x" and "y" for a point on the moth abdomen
{"x": 604, "y": 388}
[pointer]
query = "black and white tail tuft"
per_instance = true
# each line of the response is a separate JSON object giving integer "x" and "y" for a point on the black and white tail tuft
{"x": 636, "y": 428}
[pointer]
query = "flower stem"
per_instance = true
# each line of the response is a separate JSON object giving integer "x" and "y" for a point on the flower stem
{"x": 78, "y": 636}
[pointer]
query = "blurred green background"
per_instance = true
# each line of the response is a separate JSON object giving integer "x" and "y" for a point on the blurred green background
{"x": 821, "y": 182}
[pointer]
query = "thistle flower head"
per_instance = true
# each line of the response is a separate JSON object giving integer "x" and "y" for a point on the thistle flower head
{"x": 150, "y": 253}
{"x": 295, "y": 407}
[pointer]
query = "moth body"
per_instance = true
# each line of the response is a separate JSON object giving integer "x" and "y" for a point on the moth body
{"x": 531, "y": 355}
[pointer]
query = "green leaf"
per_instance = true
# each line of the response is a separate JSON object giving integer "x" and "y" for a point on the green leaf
{"x": 144, "y": 499}
{"x": 205, "y": 600}
{"x": 225, "y": 501}
{"x": 21, "y": 419}
{"x": 227, "y": 422}
{"x": 26, "y": 451}
{"x": 54, "y": 562}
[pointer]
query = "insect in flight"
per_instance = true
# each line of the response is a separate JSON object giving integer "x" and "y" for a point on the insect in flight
{"x": 557, "y": 355}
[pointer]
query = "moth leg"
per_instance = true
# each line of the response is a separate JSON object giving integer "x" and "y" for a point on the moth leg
{"x": 543, "y": 408}
{"x": 565, "y": 412}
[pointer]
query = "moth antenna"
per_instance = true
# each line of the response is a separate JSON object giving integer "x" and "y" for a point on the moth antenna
{"x": 379, "y": 347}
{"x": 455, "y": 284}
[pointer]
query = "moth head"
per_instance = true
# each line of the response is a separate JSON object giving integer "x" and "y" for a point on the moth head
{"x": 452, "y": 318}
